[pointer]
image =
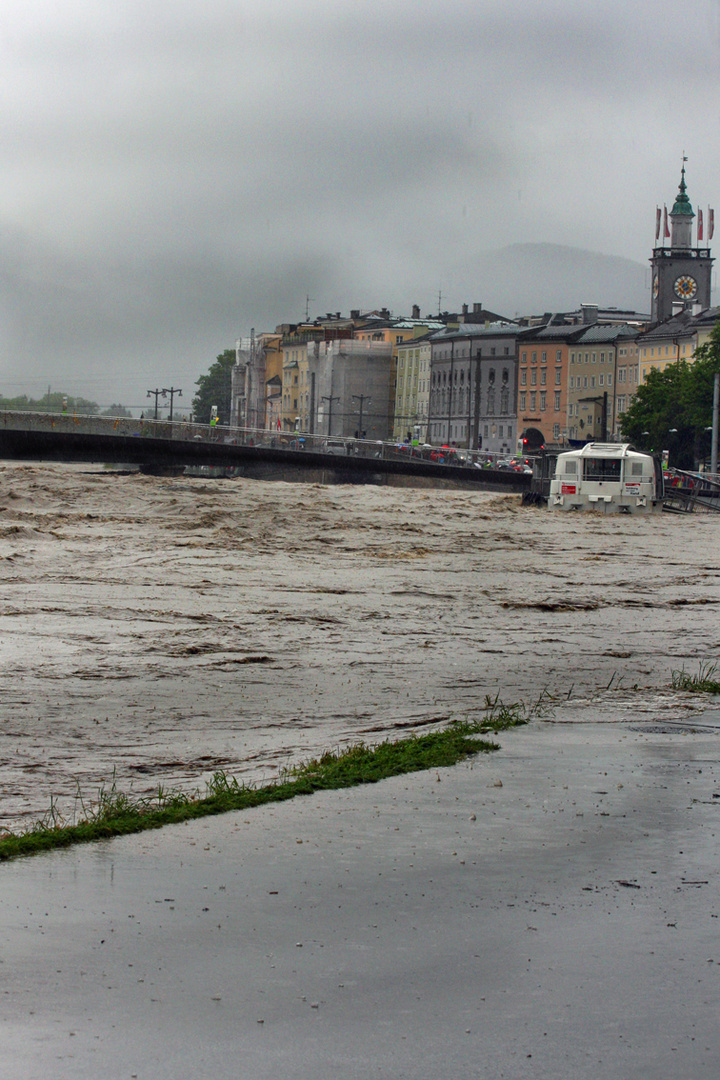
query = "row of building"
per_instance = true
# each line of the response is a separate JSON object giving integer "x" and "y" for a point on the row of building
{"x": 475, "y": 378}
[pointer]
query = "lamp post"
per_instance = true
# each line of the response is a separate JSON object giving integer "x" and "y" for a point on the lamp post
{"x": 172, "y": 392}
{"x": 329, "y": 400}
{"x": 362, "y": 398}
{"x": 156, "y": 393}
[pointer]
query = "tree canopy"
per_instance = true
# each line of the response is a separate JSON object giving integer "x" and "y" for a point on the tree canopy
{"x": 215, "y": 389}
{"x": 672, "y": 410}
{"x": 50, "y": 403}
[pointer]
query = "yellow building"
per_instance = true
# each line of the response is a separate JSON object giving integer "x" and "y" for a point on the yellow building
{"x": 412, "y": 388}
{"x": 675, "y": 339}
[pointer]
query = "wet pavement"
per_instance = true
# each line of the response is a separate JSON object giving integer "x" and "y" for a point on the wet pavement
{"x": 547, "y": 911}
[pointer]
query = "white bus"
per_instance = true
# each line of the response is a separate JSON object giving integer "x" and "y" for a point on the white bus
{"x": 609, "y": 477}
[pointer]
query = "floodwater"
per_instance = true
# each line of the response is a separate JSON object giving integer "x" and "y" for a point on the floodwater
{"x": 154, "y": 630}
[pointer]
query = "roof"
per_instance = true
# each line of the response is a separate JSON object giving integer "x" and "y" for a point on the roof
{"x": 476, "y": 330}
{"x": 608, "y": 333}
{"x": 682, "y": 207}
{"x": 684, "y": 324}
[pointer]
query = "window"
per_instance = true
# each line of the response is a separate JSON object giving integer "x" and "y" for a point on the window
{"x": 592, "y": 382}
{"x": 522, "y": 402}
{"x": 585, "y": 382}
{"x": 602, "y": 380}
{"x": 543, "y": 377}
{"x": 558, "y": 376}
{"x": 533, "y": 378}
{"x": 557, "y": 401}
{"x": 572, "y": 357}
{"x": 543, "y": 358}
{"x": 523, "y": 357}
{"x": 621, "y": 374}
{"x": 523, "y": 377}
{"x": 500, "y": 432}
{"x": 602, "y": 468}
{"x": 542, "y": 401}
{"x": 621, "y": 403}
{"x": 533, "y": 357}
{"x": 602, "y": 357}
{"x": 609, "y": 379}
{"x": 533, "y": 406}
{"x": 556, "y": 432}
{"x": 558, "y": 355}
{"x": 594, "y": 357}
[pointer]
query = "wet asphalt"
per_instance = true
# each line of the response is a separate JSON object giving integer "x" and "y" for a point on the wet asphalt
{"x": 547, "y": 911}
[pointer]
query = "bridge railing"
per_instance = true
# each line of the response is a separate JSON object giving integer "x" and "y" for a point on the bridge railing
{"x": 335, "y": 445}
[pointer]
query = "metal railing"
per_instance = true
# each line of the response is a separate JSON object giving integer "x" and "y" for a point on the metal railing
{"x": 291, "y": 441}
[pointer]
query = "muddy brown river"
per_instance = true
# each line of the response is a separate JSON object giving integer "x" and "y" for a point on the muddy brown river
{"x": 155, "y": 630}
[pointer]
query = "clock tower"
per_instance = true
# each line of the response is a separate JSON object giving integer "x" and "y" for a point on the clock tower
{"x": 681, "y": 273}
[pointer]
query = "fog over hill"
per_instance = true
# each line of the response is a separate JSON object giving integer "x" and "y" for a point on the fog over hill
{"x": 534, "y": 278}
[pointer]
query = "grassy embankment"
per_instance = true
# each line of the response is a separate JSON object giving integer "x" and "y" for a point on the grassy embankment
{"x": 115, "y": 813}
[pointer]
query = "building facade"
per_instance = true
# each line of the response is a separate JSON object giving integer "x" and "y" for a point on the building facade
{"x": 473, "y": 387}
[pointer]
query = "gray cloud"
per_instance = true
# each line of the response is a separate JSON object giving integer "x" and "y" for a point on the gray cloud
{"x": 174, "y": 174}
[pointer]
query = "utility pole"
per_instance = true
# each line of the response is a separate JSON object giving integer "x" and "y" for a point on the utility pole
{"x": 450, "y": 389}
{"x": 362, "y": 398}
{"x": 308, "y": 301}
{"x": 714, "y": 443}
{"x": 172, "y": 392}
{"x": 156, "y": 393}
{"x": 330, "y": 404}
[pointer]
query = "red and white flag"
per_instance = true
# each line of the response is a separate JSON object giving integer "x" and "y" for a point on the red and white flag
{"x": 666, "y": 231}
{"x": 711, "y": 224}
{"x": 658, "y": 219}
{"x": 700, "y": 225}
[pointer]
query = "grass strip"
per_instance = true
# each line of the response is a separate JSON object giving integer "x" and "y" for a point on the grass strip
{"x": 705, "y": 682}
{"x": 115, "y": 813}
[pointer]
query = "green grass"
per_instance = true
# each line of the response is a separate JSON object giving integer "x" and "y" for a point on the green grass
{"x": 115, "y": 813}
{"x": 705, "y": 682}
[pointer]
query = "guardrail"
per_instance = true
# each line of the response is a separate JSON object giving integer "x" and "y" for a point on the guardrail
{"x": 222, "y": 434}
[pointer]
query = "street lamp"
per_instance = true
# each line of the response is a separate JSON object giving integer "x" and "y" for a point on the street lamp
{"x": 172, "y": 392}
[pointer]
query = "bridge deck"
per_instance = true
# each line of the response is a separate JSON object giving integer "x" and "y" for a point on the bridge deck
{"x": 161, "y": 445}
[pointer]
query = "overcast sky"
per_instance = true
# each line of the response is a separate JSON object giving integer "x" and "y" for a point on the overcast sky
{"x": 175, "y": 173}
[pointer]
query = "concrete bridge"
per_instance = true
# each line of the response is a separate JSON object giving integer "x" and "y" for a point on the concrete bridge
{"x": 162, "y": 446}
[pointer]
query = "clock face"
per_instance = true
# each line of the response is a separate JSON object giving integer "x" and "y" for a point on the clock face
{"x": 685, "y": 287}
{"x": 656, "y": 286}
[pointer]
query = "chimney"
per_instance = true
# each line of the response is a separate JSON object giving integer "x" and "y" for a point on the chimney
{"x": 355, "y": 313}
{"x": 589, "y": 313}
{"x": 464, "y": 309}
{"x": 384, "y": 313}
{"x": 416, "y": 311}
{"x": 477, "y": 308}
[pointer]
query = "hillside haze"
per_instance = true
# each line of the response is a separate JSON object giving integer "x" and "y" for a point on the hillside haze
{"x": 532, "y": 278}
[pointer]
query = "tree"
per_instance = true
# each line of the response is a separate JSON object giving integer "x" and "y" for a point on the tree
{"x": 215, "y": 389}
{"x": 673, "y": 408}
{"x": 116, "y": 410}
{"x": 50, "y": 403}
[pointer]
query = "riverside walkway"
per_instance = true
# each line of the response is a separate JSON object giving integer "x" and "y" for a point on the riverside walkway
{"x": 162, "y": 445}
